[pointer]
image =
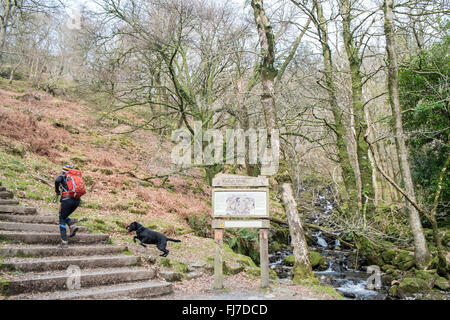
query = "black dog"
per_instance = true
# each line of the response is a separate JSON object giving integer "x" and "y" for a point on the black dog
{"x": 147, "y": 236}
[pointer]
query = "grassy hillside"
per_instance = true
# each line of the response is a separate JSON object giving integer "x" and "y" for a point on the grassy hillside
{"x": 40, "y": 133}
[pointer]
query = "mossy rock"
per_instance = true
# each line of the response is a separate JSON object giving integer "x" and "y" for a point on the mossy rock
{"x": 370, "y": 252}
{"x": 437, "y": 295}
{"x": 272, "y": 275}
{"x": 441, "y": 265}
{"x": 318, "y": 261}
{"x": 254, "y": 273}
{"x": 426, "y": 275}
{"x": 432, "y": 295}
{"x": 393, "y": 291}
{"x": 288, "y": 261}
{"x": 300, "y": 273}
{"x": 407, "y": 265}
{"x": 429, "y": 277}
{"x": 387, "y": 267}
{"x": 246, "y": 261}
{"x": 395, "y": 273}
{"x": 170, "y": 276}
{"x": 442, "y": 284}
{"x": 404, "y": 260}
{"x": 232, "y": 268}
{"x": 410, "y": 286}
{"x": 389, "y": 255}
{"x": 375, "y": 259}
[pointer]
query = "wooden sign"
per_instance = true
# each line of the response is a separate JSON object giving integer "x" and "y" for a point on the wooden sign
{"x": 232, "y": 180}
{"x": 250, "y": 201}
{"x": 240, "y": 203}
{"x": 222, "y": 224}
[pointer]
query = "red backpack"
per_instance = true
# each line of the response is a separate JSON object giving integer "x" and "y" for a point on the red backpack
{"x": 75, "y": 185}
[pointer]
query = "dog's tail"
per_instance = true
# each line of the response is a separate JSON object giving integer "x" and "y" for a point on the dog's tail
{"x": 174, "y": 240}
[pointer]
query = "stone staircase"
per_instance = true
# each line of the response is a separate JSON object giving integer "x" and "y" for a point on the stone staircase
{"x": 33, "y": 267}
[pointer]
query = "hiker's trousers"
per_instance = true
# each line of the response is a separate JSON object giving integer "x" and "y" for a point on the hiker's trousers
{"x": 68, "y": 206}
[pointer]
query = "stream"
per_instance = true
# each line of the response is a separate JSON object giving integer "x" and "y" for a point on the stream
{"x": 343, "y": 273}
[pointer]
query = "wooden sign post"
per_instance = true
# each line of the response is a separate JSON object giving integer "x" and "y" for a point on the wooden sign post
{"x": 240, "y": 202}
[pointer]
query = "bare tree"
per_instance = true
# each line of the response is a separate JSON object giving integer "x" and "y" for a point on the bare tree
{"x": 422, "y": 254}
{"x": 268, "y": 72}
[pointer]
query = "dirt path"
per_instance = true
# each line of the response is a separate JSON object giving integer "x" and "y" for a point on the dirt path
{"x": 241, "y": 287}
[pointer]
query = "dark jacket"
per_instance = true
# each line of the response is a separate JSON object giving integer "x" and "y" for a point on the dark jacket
{"x": 60, "y": 181}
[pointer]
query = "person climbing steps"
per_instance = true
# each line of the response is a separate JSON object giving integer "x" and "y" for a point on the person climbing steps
{"x": 70, "y": 186}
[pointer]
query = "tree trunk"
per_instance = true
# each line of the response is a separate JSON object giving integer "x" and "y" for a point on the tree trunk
{"x": 442, "y": 262}
{"x": 348, "y": 173}
{"x": 422, "y": 254}
{"x": 252, "y": 169}
{"x": 302, "y": 267}
{"x": 8, "y": 9}
{"x": 362, "y": 149}
{"x": 11, "y": 74}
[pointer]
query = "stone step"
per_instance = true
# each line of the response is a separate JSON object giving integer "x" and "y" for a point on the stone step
{"x": 17, "y": 210}
{"x": 36, "y": 227}
{"x": 6, "y": 195}
{"x": 146, "y": 289}
{"x": 6, "y": 202}
{"x": 48, "y": 251}
{"x": 50, "y": 238}
{"x": 61, "y": 263}
{"x": 88, "y": 278}
{"x": 32, "y": 219}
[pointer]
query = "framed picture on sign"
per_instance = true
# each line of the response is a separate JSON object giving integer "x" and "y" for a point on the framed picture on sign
{"x": 240, "y": 203}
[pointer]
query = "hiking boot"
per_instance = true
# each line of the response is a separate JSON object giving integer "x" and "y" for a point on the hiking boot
{"x": 73, "y": 230}
{"x": 64, "y": 244}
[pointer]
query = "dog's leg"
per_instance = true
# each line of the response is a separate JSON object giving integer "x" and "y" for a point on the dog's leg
{"x": 134, "y": 239}
{"x": 166, "y": 252}
{"x": 162, "y": 247}
{"x": 143, "y": 245}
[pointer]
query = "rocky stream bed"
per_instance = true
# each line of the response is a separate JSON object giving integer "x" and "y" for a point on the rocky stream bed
{"x": 342, "y": 268}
